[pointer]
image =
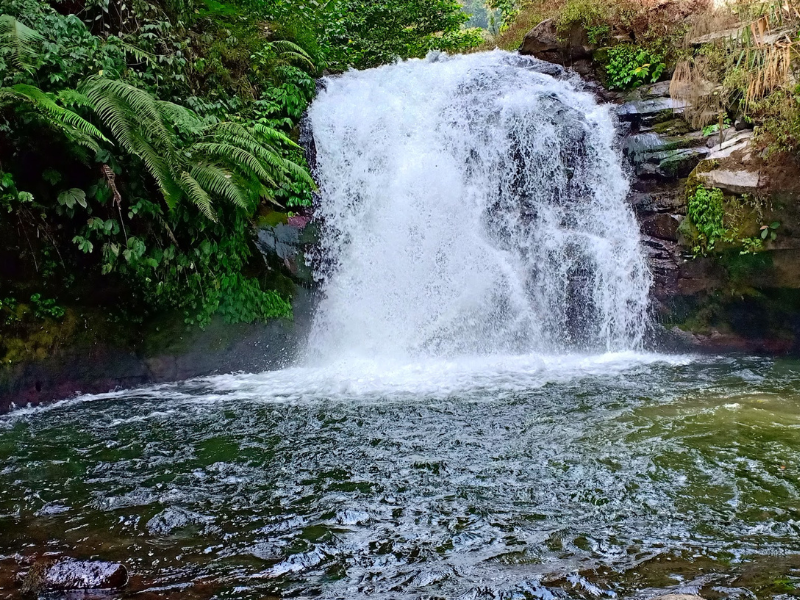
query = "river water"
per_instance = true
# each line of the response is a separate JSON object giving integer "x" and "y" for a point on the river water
{"x": 509, "y": 477}
{"x": 474, "y": 416}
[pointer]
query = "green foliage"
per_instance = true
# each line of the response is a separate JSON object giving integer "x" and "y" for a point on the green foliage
{"x": 585, "y": 13}
{"x": 769, "y": 231}
{"x": 751, "y": 245}
{"x": 598, "y": 34}
{"x": 18, "y": 43}
{"x": 46, "y": 308}
{"x": 189, "y": 159}
{"x": 26, "y": 97}
{"x": 779, "y": 117}
{"x": 85, "y": 98}
{"x": 507, "y": 10}
{"x": 368, "y": 33}
{"x": 712, "y": 129}
{"x": 629, "y": 66}
{"x": 706, "y": 210}
{"x": 140, "y": 142}
{"x": 10, "y": 197}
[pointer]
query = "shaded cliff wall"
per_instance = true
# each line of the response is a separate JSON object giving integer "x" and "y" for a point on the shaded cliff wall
{"x": 97, "y": 357}
{"x": 741, "y": 295}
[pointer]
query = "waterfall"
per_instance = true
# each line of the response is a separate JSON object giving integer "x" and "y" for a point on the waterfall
{"x": 471, "y": 205}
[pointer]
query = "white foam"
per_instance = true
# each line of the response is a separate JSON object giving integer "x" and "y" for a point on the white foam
{"x": 471, "y": 205}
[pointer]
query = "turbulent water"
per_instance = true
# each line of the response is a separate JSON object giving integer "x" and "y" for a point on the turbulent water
{"x": 474, "y": 418}
{"x": 472, "y": 205}
{"x": 494, "y": 478}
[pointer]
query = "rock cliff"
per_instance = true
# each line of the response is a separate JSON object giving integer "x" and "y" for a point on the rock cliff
{"x": 745, "y": 294}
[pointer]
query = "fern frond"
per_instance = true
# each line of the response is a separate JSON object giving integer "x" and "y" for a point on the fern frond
{"x": 287, "y": 46}
{"x": 156, "y": 164}
{"x": 197, "y": 195}
{"x": 19, "y": 42}
{"x": 274, "y": 135}
{"x": 290, "y": 51}
{"x": 219, "y": 182}
{"x": 180, "y": 116}
{"x": 122, "y": 105}
{"x": 137, "y": 52}
{"x": 71, "y": 97}
{"x": 57, "y": 114}
{"x": 247, "y": 142}
{"x": 237, "y": 156}
{"x": 294, "y": 57}
{"x": 80, "y": 138}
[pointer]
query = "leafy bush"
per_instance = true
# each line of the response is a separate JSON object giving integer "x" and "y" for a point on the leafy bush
{"x": 629, "y": 66}
{"x": 706, "y": 210}
{"x": 170, "y": 217}
{"x": 140, "y": 142}
{"x": 368, "y": 33}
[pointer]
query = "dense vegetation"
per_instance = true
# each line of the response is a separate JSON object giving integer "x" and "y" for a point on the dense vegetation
{"x": 140, "y": 140}
{"x": 731, "y": 63}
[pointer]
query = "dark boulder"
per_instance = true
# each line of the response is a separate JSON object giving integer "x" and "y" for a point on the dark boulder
{"x": 546, "y": 43}
{"x": 70, "y": 574}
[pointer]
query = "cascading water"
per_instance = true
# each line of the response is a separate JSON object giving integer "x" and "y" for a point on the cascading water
{"x": 472, "y": 205}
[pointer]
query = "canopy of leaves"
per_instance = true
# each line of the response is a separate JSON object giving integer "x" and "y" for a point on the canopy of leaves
{"x": 138, "y": 141}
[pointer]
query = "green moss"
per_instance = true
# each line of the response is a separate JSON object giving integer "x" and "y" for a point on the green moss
{"x": 674, "y": 126}
{"x": 741, "y": 309}
{"x": 742, "y": 268}
{"x": 271, "y": 218}
{"x": 663, "y": 116}
{"x": 33, "y": 340}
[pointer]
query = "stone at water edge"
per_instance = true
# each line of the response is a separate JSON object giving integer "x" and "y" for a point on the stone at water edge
{"x": 70, "y": 574}
{"x": 546, "y": 43}
{"x": 542, "y": 38}
{"x": 677, "y": 597}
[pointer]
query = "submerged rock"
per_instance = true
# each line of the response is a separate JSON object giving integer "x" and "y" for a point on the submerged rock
{"x": 678, "y": 597}
{"x": 171, "y": 519}
{"x": 70, "y": 574}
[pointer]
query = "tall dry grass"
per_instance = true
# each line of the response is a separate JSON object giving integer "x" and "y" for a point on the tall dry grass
{"x": 753, "y": 42}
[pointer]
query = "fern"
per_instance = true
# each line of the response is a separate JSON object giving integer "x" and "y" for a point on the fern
{"x": 197, "y": 195}
{"x": 271, "y": 134}
{"x": 225, "y": 160}
{"x": 70, "y": 123}
{"x": 219, "y": 182}
{"x": 71, "y": 97}
{"x": 290, "y": 52}
{"x": 134, "y": 51}
{"x": 239, "y": 156}
{"x": 118, "y": 103}
{"x": 19, "y": 42}
{"x": 181, "y": 117}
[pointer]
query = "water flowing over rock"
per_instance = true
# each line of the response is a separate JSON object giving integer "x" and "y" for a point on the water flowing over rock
{"x": 472, "y": 205}
{"x": 72, "y": 574}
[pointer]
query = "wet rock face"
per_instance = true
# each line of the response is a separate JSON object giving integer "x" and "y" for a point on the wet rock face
{"x": 661, "y": 149}
{"x": 546, "y": 43}
{"x": 665, "y": 156}
{"x": 69, "y": 574}
{"x": 289, "y": 243}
